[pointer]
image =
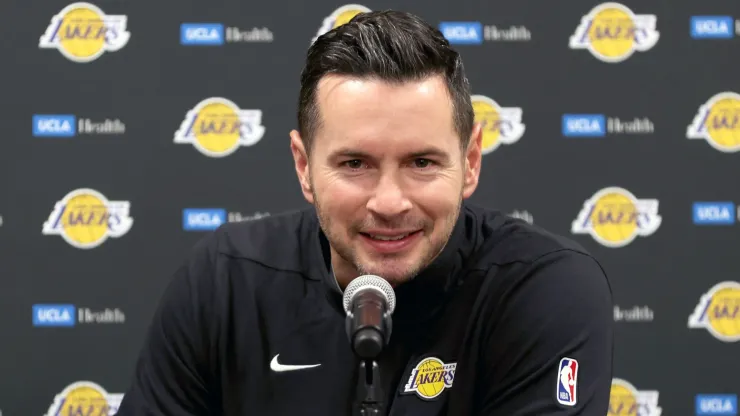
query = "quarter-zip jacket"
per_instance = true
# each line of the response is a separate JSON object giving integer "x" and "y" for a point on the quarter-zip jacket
{"x": 484, "y": 330}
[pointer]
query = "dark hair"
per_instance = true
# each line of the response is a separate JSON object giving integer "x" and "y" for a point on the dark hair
{"x": 388, "y": 45}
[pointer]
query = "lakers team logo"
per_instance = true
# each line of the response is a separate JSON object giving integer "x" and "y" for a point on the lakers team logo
{"x": 85, "y": 398}
{"x": 625, "y": 399}
{"x": 612, "y": 32}
{"x": 85, "y": 218}
{"x": 82, "y": 33}
{"x": 339, "y": 17}
{"x": 430, "y": 378}
{"x": 718, "y": 122}
{"x": 217, "y": 127}
{"x": 614, "y": 217}
{"x": 718, "y": 312}
{"x": 499, "y": 125}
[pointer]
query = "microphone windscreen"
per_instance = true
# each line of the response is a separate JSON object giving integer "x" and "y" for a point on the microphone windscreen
{"x": 373, "y": 282}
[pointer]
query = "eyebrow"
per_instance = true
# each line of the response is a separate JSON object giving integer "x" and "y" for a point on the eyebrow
{"x": 431, "y": 152}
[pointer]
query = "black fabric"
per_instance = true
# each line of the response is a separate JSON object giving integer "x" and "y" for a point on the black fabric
{"x": 504, "y": 302}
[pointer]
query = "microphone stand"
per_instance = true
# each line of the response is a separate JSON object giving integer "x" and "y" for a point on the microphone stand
{"x": 369, "y": 326}
{"x": 368, "y": 389}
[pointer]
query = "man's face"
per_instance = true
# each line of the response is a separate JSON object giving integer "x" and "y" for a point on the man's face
{"x": 386, "y": 174}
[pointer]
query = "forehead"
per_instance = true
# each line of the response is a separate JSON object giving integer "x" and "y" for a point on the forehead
{"x": 378, "y": 114}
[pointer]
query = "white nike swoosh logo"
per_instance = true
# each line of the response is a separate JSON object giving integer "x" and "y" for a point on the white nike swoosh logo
{"x": 277, "y": 367}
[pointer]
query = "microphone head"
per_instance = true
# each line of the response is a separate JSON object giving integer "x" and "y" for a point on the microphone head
{"x": 372, "y": 282}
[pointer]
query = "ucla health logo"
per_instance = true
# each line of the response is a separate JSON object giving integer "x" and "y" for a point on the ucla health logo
{"x": 599, "y": 125}
{"x": 216, "y": 34}
{"x": 54, "y": 315}
{"x": 713, "y": 27}
{"x": 499, "y": 125}
{"x": 46, "y": 315}
{"x": 613, "y": 33}
{"x": 208, "y": 219}
{"x": 85, "y": 219}
{"x": 462, "y": 33}
{"x": 67, "y": 125}
{"x": 625, "y": 399}
{"x": 633, "y": 314}
{"x": 584, "y": 125}
{"x": 475, "y": 33}
{"x": 718, "y": 122}
{"x": 718, "y": 312}
{"x": 339, "y": 17}
{"x": 715, "y": 213}
{"x": 82, "y": 33}
{"x": 716, "y": 404}
{"x": 209, "y": 34}
{"x": 85, "y": 397}
{"x": 614, "y": 217}
{"x": 217, "y": 127}
{"x": 202, "y": 219}
{"x": 54, "y": 125}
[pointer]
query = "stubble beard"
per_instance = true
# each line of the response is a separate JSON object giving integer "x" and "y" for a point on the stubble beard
{"x": 397, "y": 276}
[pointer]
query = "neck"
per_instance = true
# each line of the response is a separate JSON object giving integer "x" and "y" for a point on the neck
{"x": 343, "y": 271}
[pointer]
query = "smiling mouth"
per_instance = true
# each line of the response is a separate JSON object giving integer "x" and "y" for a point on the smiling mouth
{"x": 387, "y": 237}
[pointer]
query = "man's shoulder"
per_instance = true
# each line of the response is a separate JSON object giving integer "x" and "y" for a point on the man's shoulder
{"x": 526, "y": 266}
{"x": 508, "y": 240}
{"x": 274, "y": 241}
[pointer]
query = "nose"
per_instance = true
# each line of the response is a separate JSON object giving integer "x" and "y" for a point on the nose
{"x": 389, "y": 198}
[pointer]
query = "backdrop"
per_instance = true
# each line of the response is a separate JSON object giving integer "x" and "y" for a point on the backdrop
{"x": 134, "y": 127}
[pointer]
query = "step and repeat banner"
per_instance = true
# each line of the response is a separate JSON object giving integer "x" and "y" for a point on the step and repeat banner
{"x": 132, "y": 128}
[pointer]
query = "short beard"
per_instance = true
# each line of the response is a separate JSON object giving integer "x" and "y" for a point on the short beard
{"x": 347, "y": 254}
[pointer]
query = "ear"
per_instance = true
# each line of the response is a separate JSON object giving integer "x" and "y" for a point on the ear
{"x": 473, "y": 155}
{"x": 302, "y": 169}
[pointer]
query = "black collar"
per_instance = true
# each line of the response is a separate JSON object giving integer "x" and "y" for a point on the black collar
{"x": 418, "y": 299}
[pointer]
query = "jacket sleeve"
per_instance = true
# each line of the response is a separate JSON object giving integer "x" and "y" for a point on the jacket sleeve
{"x": 560, "y": 314}
{"x": 171, "y": 376}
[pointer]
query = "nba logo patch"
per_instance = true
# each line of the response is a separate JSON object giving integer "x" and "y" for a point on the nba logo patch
{"x": 567, "y": 382}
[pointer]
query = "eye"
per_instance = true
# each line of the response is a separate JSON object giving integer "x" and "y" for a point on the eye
{"x": 422, "y": 163}
{"x": 353, "y": 164}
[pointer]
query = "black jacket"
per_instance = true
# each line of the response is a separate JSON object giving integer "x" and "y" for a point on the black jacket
{"x": 496, "y": 317}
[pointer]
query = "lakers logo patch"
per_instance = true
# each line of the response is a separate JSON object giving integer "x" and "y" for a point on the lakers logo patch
{"x": 85, "y": 397}
{"x": 430, "y": 378}
{"x": 85, "y": 219}
{"x": 718, "y": 122}
{"x": 718, "y": 311}
{"x": 626, "y": 399}
{"x": 82, "y": 32}
{"x": 500, "y": 125}
{"x": 339, "y": 17}
{"x": 614, "y": 217}
{"x": 217, "y": 127}
{"x": 612, "y": 32}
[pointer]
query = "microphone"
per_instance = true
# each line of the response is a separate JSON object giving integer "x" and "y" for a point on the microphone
{"x": 369, "y": 302}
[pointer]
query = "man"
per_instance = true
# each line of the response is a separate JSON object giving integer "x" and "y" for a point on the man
{"x": 494, "y": 316}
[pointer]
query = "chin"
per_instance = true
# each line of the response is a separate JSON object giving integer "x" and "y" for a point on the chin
{"x": 395, "y": 273}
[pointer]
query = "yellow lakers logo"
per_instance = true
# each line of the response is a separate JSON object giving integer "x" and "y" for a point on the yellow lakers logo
{"x": 614, "y": 217}
{"x": 626, "y": 400}
{"x": 339, "y": 17}
{"x": 718, "y": 122}
{"x": 718, "y": 311}
{"x": 217, "y": 127}
{"x": 85, "y": 398}
{"x": 84, "y": 218}
{"x": 430, "y": 378}
{"x": 82, "y": 32}
{"x": 500, "y": 125}
{"x": 612, "y": 32}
